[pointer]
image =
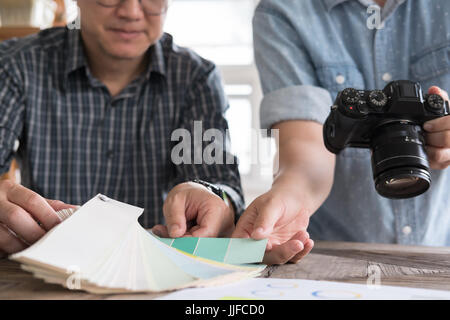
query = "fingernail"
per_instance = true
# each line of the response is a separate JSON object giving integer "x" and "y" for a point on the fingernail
{"x": 258, "y": 232}
{"x": 428, "y": 126}
{"x": 156, "y": 232}
{"x": 174, "y": 228}
{"x": 296, "y": 246}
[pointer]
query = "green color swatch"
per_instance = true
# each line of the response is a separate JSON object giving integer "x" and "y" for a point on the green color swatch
{"x": 212, "y": 248}
{"x": 245, "y": 251}
{"x": 185, "y": 244}
{"x": 226, "y": 250}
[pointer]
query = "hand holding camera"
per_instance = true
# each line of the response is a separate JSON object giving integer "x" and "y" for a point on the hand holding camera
{"x": 389, "y": 122}
{"x": 438, "y": 137}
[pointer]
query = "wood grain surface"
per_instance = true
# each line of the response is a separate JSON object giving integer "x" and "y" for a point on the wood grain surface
{"x": 409, "y": 266}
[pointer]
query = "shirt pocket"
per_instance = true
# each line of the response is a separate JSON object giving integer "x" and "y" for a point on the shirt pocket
{"x": 432, "y": 67}
{"x": 336, "y": 78}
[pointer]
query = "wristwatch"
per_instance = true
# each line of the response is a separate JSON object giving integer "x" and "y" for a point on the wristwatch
{"x": 213, "y": 188}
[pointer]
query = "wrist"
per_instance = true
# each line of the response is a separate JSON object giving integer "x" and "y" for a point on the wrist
{"x": 227, "y": 208}
{"x": 220, "y": 190}
{"x": 296, "y": 189}
{"x": 213, "y": 188}
{"x": 289, "y": 180}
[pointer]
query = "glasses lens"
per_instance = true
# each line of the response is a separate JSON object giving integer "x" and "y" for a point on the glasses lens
{"x": 155, "y": 6}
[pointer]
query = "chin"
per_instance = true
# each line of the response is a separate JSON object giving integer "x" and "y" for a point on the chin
{"x": 127, "y": 51}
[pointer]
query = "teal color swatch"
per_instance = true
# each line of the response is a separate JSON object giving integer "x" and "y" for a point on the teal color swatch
{"x": 226, "y": 250}
{"x": 244, "y": 251}
{"x": 167, "y": 241}
{"x": 212, "y": 248}
{"x": 185, "y": 244}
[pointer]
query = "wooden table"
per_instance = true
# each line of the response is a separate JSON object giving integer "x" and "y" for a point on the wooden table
{"x": 409, "y": 266}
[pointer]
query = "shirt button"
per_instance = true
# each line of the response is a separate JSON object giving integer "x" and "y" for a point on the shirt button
{"x": 387, "y": 77}
{"x": 340, "y": 79}
{"x": 16, "y": 145}
{"x": 406, "y": 230}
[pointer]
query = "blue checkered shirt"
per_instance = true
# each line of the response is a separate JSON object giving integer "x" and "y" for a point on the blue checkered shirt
{"x": 76, "y": 140}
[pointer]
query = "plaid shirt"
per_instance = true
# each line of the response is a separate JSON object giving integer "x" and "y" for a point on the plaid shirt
{"x": 76, "y": 140}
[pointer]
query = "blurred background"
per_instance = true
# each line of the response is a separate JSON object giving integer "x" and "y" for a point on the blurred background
{"x": 218, "y": 30}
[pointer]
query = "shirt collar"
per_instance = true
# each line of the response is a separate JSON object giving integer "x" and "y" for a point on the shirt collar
{"x": 74, "y": 52}
{"x": 157, "y": 58}
{"x": 330, "y": 4}
{"x": 77, "y": 58}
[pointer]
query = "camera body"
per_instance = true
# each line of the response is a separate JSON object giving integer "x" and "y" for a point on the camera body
{"x": 389, "y": 122}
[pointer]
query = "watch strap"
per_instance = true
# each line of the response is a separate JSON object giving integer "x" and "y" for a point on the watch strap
{"x": 213, "y": 188}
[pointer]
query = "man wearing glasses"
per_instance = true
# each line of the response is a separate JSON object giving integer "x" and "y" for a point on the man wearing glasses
{"x": 94, "y": 110}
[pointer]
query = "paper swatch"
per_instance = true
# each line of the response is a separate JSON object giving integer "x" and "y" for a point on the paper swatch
{"x": 226, "y": 250}
{"x": 101, "y": 248}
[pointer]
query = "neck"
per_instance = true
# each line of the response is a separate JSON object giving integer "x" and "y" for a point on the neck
{"x": 115, "y": 73}
{"x": 381, "y": 3}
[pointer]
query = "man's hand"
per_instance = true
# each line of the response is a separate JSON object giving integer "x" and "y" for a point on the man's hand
{"x": 438, "y": 137}
{"x": 282, "y": 220}
{"x": 191, "y": 209}
{"x": 302, "y": 182}
{"x": 25, "y": 216}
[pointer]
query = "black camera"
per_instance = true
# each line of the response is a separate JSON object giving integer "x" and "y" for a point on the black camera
{"x": 389, "y": 122}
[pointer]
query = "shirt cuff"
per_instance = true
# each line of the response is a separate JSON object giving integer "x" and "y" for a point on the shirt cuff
{"x": 295, "y": 103}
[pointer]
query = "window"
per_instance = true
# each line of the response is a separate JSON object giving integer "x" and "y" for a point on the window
{"x": 221, "y": 31}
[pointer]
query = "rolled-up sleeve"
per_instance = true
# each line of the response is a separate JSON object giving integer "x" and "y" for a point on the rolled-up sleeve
{"x": 11, "y": 117}
{"x": 288, "y": 78}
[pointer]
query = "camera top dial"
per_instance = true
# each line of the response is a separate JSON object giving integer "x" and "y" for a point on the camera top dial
{"x": 350, "y": 96}
{"x": 436, "y": 103}
{"x": 378, "y": 99}
{"x": 351, "y": 102}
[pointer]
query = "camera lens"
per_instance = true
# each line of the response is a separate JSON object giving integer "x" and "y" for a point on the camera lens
{"x": 399, "y": 161}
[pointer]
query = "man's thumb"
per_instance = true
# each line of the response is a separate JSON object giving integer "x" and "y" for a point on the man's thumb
{"x": 58, "y": 205}
{"x": 268, "y": 215}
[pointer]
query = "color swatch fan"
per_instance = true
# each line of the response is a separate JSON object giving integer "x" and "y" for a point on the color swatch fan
{"x": 101, "y": 248}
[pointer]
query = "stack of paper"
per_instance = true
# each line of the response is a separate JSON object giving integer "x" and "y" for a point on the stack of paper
{"x": 101, "y": 248}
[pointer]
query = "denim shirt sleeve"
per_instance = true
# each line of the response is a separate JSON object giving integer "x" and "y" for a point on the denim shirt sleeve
{"x": 288, "y": 78}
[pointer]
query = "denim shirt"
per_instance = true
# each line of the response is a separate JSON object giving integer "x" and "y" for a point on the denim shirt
{"x": 308, "y": 50}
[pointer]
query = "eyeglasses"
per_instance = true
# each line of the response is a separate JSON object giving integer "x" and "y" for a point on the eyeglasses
{"x": 150, "y": 7}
